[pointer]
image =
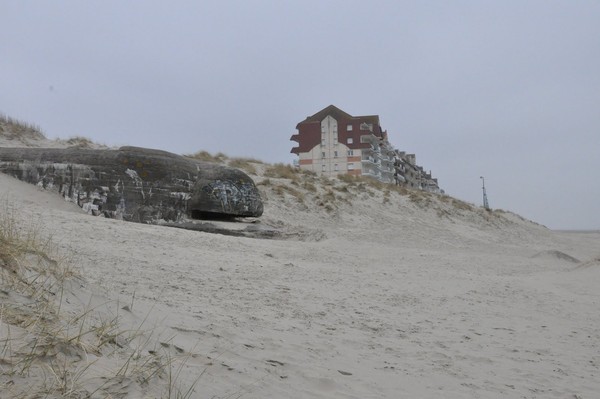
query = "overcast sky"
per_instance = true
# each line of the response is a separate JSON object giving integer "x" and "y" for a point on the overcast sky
{"x": 509, "y": 90}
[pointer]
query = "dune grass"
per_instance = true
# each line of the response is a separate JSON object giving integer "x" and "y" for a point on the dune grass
{"x": 80, "y": 142}
{"x": 14, "y": 128}
{"x": 306, "y": 186}
{"x": 245, "y": 164}
{"x": 206, "y": 156}
{"x": 52, "y": 347}
{"x": 282, "y": 171}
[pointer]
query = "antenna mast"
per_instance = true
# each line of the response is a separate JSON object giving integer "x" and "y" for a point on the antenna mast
{"x": 485, "y": 200}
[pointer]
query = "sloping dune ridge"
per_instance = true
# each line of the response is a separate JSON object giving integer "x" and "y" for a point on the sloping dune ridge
{"x": 366, "y": 291}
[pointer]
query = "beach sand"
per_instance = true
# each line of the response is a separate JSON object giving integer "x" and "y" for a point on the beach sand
{"x": 370, "y": 293}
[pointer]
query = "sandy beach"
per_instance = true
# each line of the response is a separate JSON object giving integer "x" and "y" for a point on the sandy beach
{"x": 300, "y": 200}
{"x": 374, "y": 294}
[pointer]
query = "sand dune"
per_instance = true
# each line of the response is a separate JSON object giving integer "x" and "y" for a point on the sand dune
{"x": 370, "y": 293}
{"x": 556, "y": 255}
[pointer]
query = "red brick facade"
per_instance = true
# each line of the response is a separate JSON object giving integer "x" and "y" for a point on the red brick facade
{"x": 309, "y": 130}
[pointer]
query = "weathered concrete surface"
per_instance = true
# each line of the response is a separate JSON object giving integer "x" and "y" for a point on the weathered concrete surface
{"x": 136, "y": 184}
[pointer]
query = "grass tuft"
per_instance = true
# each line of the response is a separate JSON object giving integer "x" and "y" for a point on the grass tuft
{"x": 282, "y": 171}
{"x": 462, "y": 205}
{"x": 14, "y": 129}
{"x": 48, "y": 349}
{"x": 245, "y": 164}
{"x": 80, "y": 142}
{"x": 206, "y": 156}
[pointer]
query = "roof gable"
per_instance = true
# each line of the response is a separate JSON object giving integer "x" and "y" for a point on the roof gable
{"x": 338, "y": 115}
{"x": 332, "y": 110}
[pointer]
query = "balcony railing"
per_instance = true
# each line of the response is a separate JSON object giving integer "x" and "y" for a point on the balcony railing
{"x": 368, "y": 138}
{"x": 371, "y": 173}
{"x": 370, "y": 160}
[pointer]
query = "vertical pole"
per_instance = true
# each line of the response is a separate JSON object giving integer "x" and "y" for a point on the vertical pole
{"x": 485, "y": 200}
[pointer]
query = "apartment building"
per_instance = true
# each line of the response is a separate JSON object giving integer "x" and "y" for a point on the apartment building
{"x": 413, "y": 175}
{"x": 333, "y": 142}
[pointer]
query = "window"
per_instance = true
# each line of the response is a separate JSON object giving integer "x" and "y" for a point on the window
{"x": 323, "y": 142}
{"x": 323, "y": 168}
{"x": 350, "y": 153}
{"x": 350, "y": 141}
{"x": 335, "y": 154}
{"x": 322, "y": 155}
{"x": 350, "y": 166}
{"x": 349, "y": 128}
{"x": 335, "y": 167}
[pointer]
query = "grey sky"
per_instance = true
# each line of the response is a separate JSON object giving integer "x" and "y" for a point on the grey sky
{"x": 505, "y": 89}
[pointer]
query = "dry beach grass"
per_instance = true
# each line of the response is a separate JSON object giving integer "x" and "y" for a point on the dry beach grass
{"x": 373, "y": 291}
{"x": 54, "y": 344}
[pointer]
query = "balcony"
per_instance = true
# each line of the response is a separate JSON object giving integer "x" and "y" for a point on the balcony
{"x": 369, "y": 138}
{"x": 370, "y": 173}
{"x": 401, "y": 178}
{"x": 370, "y": 160}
